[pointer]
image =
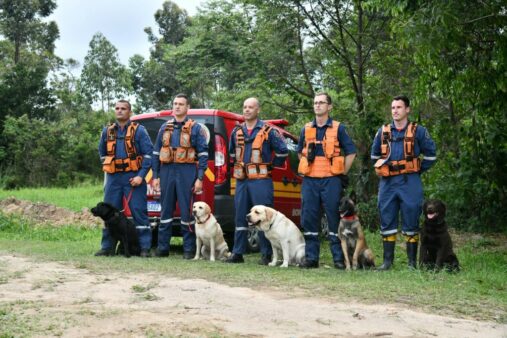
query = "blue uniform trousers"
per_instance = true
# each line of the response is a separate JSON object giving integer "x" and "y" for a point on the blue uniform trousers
{"x": 176, "y": 183}
{"x": 402, "y": 192}
{"x": 317, "y": 192}
{"x": 250, "y": 193}
{"x": 117, "y": 186}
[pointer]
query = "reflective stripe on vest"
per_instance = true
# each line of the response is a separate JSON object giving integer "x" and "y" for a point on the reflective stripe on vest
{"x": 133, "y": 161}
{"x": 185, "y": 153}
{"x": 410, "y": 163}
{"x": 331, "y": 164}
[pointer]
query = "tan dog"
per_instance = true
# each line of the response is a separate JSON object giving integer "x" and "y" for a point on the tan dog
{"x": 281, "y": 232}
{"x": 208, "y": 234}
{"x": 352, "y": 237}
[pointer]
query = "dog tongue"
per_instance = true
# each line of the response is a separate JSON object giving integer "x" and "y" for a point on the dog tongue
{"x": 431, "y": 216}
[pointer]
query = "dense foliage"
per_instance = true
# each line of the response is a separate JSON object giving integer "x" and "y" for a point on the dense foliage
{"x": 450, "y": 57}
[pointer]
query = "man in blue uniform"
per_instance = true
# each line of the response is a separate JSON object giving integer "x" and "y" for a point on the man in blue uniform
{"x": 324, "y": 168}
{"x": 125, "y": 151}
{"x": 396, "y": 149}
{"x": 179, "y": 162}
{"x": 251, "y": 146}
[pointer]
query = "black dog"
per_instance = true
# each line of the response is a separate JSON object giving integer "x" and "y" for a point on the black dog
{"x": 436, "y": 245}
{"x": 120, "y": 228}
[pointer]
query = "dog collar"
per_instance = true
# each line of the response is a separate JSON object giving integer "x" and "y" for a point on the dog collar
{"x": 349, "y": 218}
{"x": 274, "y": 218}
{"x": 207, "y": 218}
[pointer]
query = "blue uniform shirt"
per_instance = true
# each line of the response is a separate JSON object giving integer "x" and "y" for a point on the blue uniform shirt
{"x": 423, "y": 144}
{"x": 197, "y": 139}
{"x": 142, "y": 143}
{"x": 346, "y": 143}
{"x": 275, "y": 143}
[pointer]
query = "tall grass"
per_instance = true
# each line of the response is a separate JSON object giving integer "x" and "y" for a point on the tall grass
{"x": 74, "y": 198}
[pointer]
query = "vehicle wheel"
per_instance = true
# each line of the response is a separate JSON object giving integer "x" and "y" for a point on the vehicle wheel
{"x": 253, "y": 240}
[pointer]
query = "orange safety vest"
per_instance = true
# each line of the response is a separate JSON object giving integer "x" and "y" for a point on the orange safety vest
{"x": 133, "y": 161}
{"x": 255, "y": 169}
{"x": 411, "y": 163}
{"x": 185, "y": 153}
{"x": 331, "y": 164}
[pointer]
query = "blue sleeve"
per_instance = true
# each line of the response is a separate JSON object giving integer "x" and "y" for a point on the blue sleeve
{"x": 345, "y": 141}
{"x": 428, "y": 148}
{"x": 375, "y": 147}
{"x": 145, "y": 150}
{"x": 301, "y": 141}
{"x": 155, "y": 160}
{"x": 201, "y": 147}
{"x": 277, "y": 143}
{"x": 102, "y": 145}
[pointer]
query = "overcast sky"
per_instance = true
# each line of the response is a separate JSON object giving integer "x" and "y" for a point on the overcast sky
{"x": 121, "y": 21}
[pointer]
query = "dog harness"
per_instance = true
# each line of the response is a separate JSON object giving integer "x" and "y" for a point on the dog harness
{"x": 410, "y": 164}
{"x": 185, "y": 153}
{"x": 133, "y": 161}
{"x": 255, "y": 169}
{"x": 332, "y": 163}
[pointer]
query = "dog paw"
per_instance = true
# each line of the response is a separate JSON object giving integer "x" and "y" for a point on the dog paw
{"x": 212, "y": 259}
{"x": 272, "y": 264}
{"x": 284, "y": 265}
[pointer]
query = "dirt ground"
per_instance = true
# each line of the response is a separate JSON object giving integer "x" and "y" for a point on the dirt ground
{"x": 49, "y": 299}
{"x": 45, "y": 213}
{"x": 68, "y": 301}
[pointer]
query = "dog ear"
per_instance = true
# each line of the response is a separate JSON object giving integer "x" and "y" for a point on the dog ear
{"x": 269, "y": 213}
{"x": 207, "y": 208}
{"x": 424, "y": 206}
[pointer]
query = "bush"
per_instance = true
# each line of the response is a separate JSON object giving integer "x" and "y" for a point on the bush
{"x": 40, "y": 153}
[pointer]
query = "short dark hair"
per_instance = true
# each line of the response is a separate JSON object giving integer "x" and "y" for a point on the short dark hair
{"x": 125, "y": 101}
{"x": 185, "y": 96}
{"x": 328, "y": 97}
{"x": 402, "y": 98}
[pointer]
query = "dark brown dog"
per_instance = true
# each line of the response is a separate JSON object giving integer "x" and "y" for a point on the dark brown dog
{"x": 436, "y": 244}
{"x": 352, "y": 238}
{"x": 120, "y": 228}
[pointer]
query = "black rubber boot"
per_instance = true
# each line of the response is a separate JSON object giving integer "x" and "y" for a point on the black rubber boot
{"x": 388, "y": 256}
{"x": 412, "y": 255}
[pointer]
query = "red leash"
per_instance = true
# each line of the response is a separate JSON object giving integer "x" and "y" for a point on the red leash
{"x": 127, "y": 200}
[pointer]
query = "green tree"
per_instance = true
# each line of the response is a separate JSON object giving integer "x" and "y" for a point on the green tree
{"x": 26, "y": 57}
{"x": 154, "y": 80}
{"x": 103, "y": 77}
{"x": 21, "y": 22}
{"x": 459, "y": 51}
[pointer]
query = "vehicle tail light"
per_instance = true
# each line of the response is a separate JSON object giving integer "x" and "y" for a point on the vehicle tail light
{"x": 220, "y": 156}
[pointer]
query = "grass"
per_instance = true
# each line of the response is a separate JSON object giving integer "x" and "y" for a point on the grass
{"x": 75, "y": 198}
{"x": 479, "y": 291}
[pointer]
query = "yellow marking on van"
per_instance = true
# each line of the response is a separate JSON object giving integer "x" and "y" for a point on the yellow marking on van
{"x": 277, "y": 194}
{"x": 278, "y": 186}
{"x": 210, "y": 175}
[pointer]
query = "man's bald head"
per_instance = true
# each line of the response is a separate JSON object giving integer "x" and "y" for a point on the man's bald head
{"x": 251, "y": 108}
{"x": 253, "y": 100}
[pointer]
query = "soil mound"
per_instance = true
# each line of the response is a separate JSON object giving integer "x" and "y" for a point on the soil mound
{"x": 45, "y": 213}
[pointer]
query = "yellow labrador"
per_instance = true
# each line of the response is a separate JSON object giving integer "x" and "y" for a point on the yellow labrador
{"x": 281, "y": 232}
{"x": 209, "y": 238}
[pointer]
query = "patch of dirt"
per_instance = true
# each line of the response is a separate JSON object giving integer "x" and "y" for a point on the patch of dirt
{"x": 45, "y": 213}
{"x": 73, "y": 302}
